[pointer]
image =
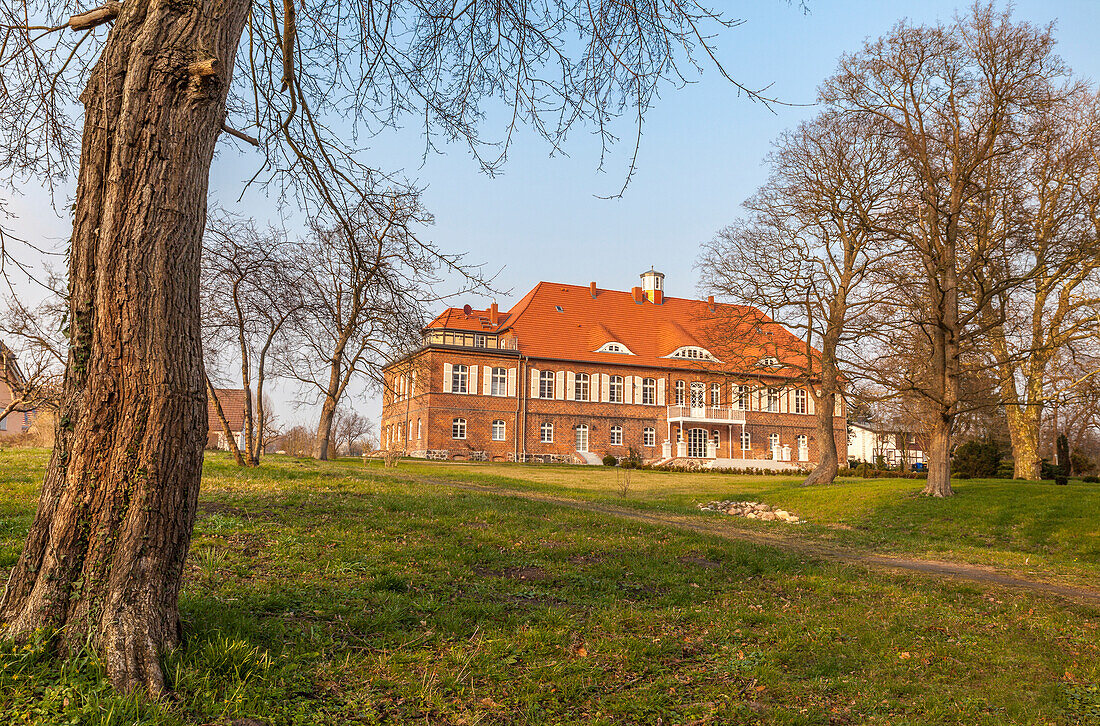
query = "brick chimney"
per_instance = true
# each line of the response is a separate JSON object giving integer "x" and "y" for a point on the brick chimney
{"x": 710, "y": 301}
{"x": 592, "y": 289}
{"x": 636, "y": 292}
{"x": 657, "y": 296}
{"x": 494, "y": 314}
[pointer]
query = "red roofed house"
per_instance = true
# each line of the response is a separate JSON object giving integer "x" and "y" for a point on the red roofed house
{"x": 232, "y": 403}
{"x": 574, "y": 373}
{"x": 12, "y": 381}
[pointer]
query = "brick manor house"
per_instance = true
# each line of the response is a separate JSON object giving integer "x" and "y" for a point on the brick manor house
{"x": 572, "y": 373}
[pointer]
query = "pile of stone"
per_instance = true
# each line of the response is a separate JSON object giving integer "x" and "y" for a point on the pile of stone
{"x": 750, "y": 510}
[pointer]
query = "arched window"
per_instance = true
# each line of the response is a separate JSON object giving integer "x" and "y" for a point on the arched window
{"x": 546, "y": 433}
{"x": 460, "y": 374}
{"x": 580, "y": 387}
{"x": 498, "y": 430}
{"x": 615, "y": 390}
{"x": 419, "y": 429}
{"x": 680, "y": 388}
{"x": 614, "y": 347}
{"x": 746, "y": 441}
{"x": 692, "y": 352}
{"x": 616, "y": 435}
{"x": 458, "y": 428}
{"x": 717, "y": 437}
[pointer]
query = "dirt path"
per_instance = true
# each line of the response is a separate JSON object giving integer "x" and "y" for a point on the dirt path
{"x": 719, "y": 528}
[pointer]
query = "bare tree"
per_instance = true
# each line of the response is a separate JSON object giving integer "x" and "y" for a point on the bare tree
{"x": 157, "y": 90}
{"x": 350, "y": 428}
{"x": 365, "y": 291}
{"x": 33, "y": 367}
{"x": 250, "y": 292}
{"x": 954, "y": 99}
{"x": 805, "y": 254}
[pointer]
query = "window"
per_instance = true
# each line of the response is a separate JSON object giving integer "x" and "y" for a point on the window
{"x": 615, "y": 390}
{"x": 546, "y": 433}
{"x": 773, "y": 400}
{"x": 717, "y": 438}
{"x": 409, "y": 434}
{"x": 580, "y": 387}
{"x": 613, "y": 347}
{"x": 559, "y": 308}
{"x": 680, "y": 393}
{"x": 692, "y": 352}
{"x": 458, "y": 428}
{"x": 460, "y": 374}
{"x": 546, "y": 384}
{"x": 800, "y": 401}
{"x": 649, "y": 391}
{"x": 616, "y": 435}
{"x": 746, "y": 441}
{"x": 649, "y": 436}
{"x": 773, "y": 444}
{"x": 419, "y": 429}
{"x": 742, "y": 398}
{"x": 498, "y": 430}
{"x": 479, "y": 341}
{"x": 768, "y": 361}
{"x": 498, "y": 382}
{"x": 803, "y": 447}
{"x": 716, "y": 394}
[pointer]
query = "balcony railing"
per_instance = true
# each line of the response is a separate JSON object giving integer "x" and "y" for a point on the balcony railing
{"x": 471, "y": 340}
{"x": 705, "y": 413}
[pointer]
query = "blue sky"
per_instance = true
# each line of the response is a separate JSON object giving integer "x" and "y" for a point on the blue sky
{"x": 701, "y": 155}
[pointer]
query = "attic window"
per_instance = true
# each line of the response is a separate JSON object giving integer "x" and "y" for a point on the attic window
{"x": 613, "y": 347}
{"x": 768, "y": 361}
{"x": 692, "y": 352}
{"x": 559, "y": 308}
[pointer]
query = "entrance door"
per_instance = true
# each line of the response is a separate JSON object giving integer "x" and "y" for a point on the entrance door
{"x": 582, "y": 437}
{"x": 697, "y": 443}
{"x": 698, "y": 399}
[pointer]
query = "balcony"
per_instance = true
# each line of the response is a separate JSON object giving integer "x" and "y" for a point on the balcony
{"x": 470, "y": 340}
{"x": 705, "y": 414}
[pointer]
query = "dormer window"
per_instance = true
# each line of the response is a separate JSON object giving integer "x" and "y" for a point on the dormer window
{"x": 559, "y": 308}
{"x": 768, "y": 362}
{"x": 692, "y": 352}
{"x": 613, "y": 347}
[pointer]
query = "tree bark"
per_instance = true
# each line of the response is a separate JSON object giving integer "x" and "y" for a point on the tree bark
{"x": 826, "y": 469}
{"x": 103, "y": 561}
{"x": 324, "y": 428}
{"x": 939, "y": 461}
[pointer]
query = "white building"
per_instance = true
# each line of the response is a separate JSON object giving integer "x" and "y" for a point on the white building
{"x": 869, "y": 441}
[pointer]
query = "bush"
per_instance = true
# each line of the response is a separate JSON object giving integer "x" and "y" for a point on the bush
{"x": 1060, "y": 479}
{"x": 978, "y": 459}
{"x": 1048, "y": 470}
{"x": 1091, "y": 479}
{"x": 962, "y": 475}
{"x": 610, "y": 460}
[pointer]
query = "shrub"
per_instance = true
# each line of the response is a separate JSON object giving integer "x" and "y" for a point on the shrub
{"x": 977, "y": 459}
{"x": 1060, "y": 479}
{"x": 610, "y": 460}
{"x": 1048, "y": 470}
{"x": 962, "y": 475}
{"x": 1091, "y": 479}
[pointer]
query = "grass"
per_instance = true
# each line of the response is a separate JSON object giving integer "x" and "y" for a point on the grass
{"x": 336, "y": 593}
{"x": 1036, "y": 528}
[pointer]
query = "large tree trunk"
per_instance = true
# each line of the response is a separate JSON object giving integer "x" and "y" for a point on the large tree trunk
{"x": 939, "y": 461}
{"x": 104, "y": 557}
{"x": 1023, "y": 432}
{"x": 323, "y": 438}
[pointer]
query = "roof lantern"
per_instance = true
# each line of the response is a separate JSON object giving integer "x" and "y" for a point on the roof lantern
{"x": 653, "y": 285}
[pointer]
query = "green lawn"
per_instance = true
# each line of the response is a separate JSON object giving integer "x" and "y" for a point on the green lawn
{"x": 1034, "y": 528}
{"x": 341, "y": 593}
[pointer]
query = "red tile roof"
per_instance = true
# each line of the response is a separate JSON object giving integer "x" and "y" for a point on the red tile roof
{"x": 739, "y": 336}
{"x": 232, "y": 401}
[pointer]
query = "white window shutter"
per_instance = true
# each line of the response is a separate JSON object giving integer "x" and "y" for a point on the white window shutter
{"x": 605, "y": 386}
{"x": 512, "y": 382}
{"x": 447, "y": 377}
{"x": 534, "y": 383}
{"x": 809, "y": 402}
{"x": 594, "y": 387}
{"x": 570, "y": 385}
{"x": 487, "y": 382}
{"x": 559, "y": 386}
{"x": 637, "y": 389}
{"x": 755, "y": 399}
{"x": 471, "y": 385}
{"x": 660, "y": 391}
